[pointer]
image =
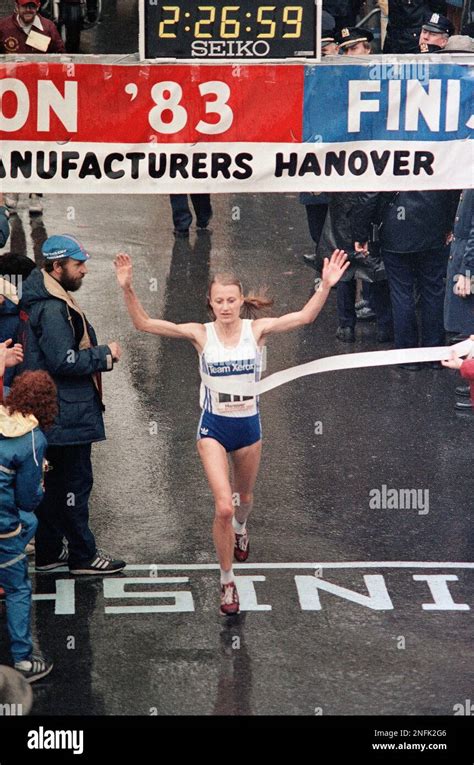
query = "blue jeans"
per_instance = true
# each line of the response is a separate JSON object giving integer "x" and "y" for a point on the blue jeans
{"x": 425, "y": 272}
{"x": 16, "y": 583}
{"x": 64, "y": 511}
{"x": 182, "y": 217}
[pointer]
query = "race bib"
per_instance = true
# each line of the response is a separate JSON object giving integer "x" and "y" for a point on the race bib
{"x": 232, "y": 403}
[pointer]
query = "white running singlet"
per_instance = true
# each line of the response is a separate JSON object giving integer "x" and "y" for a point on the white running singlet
{"x": 243, "y": 361}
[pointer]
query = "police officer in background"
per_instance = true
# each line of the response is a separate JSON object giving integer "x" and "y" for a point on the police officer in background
{"x": 355, "y": 41}
{"x": 435, "y": 33}
{"x": 405, "y": 18}
{"x": 329, "y": 46}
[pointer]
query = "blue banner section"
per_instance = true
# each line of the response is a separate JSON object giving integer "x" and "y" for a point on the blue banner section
{"x": 413, "y": 101}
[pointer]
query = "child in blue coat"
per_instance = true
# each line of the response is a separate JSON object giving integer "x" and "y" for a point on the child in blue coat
{"x": 31, "y": 402}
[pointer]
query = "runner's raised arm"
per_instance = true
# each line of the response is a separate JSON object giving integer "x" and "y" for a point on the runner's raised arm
{"x": 141, "y": 320}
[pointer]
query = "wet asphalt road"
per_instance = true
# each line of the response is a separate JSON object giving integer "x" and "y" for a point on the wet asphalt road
{"x": 151, "y": 503}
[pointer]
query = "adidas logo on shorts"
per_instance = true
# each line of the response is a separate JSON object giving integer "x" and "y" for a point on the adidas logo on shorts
{"x": 204, "y": 431}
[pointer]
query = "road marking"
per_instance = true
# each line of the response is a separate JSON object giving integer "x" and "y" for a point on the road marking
{"x": 251, "y": 566}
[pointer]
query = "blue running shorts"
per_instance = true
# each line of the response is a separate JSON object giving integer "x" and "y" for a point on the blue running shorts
{"x": 232, "y": 432}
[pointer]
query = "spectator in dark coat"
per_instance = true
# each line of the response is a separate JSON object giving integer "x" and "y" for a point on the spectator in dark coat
{"x": 459, "y": 300}
{"x": 416, "y": 227}
{"x": 316, "y": 206}
{"x": 14, "y": 270}
{"x": 57, "y": 337}
{"x": 337, "y": 233}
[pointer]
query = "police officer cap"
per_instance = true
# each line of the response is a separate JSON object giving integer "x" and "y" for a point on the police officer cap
{"x": 328, "y": 36}
{"x": 438, "y": 23}
{"x": 349, "y": 36}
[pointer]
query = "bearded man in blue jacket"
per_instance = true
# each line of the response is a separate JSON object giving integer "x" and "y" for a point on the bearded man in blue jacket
{"x": 57, "y": 338}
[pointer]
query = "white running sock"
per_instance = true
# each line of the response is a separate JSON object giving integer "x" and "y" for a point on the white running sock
{"x": 239, "y": 528}
{"x": 227, "y": 576}
{"x": 242, "y": 511}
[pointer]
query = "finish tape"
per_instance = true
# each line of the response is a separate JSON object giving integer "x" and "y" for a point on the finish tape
{"x": 335, "y": 363}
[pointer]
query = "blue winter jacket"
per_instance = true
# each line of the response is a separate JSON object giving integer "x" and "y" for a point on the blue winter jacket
{"x": 51, "y": 332}
{"x": 22, "y": 449}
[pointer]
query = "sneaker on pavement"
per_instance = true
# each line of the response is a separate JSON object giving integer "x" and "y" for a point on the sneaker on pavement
{"x": 346, "y": 334}
{"x": 34, "y": 668}
{"x": 11, "y": 201}
{"x": 61, "y": 561}
{"x": 36, "y": 205}
{"x": 101, "y": 563}
{"x": 365, "y": 314}
{"x": 241, "y": 546}
{"x": 229, "y": 599}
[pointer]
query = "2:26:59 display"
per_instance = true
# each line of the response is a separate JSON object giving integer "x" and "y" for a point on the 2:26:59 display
{"x": 231, "y": 21}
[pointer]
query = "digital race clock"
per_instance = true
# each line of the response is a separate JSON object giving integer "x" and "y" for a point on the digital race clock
{"x": 218, "y": 29}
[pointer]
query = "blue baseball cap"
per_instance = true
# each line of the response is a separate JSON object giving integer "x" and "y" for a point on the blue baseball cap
{"x": 63, "y": 246}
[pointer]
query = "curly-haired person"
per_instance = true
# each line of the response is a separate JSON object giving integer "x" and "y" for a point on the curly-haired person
{"x": 30, "y": 407}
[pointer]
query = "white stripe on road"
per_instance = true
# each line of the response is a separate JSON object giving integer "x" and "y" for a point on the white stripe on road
{"x": 252, "y": 566}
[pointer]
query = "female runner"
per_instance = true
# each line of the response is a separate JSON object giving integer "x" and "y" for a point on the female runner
{"x": 230, "y": 346}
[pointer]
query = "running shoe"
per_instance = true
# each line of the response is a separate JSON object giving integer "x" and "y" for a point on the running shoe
{"x": 61, "y": 561}
{"x": 229, "y": 599}
{"x": 101, "y": 563}
{"x": 34, "y": 668}
{"x": 241, "y": 546}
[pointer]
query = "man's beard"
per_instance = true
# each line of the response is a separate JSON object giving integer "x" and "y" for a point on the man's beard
{"x": 70, "y": 284}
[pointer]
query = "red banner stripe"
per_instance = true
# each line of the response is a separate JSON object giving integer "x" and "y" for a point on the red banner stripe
{"x": 115, "y": 103}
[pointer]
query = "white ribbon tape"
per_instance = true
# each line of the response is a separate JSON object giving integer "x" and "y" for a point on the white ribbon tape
{"x": 334, "y": 363}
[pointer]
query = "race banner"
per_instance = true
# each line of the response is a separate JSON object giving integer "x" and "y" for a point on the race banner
{"x": 170, "y": 128}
